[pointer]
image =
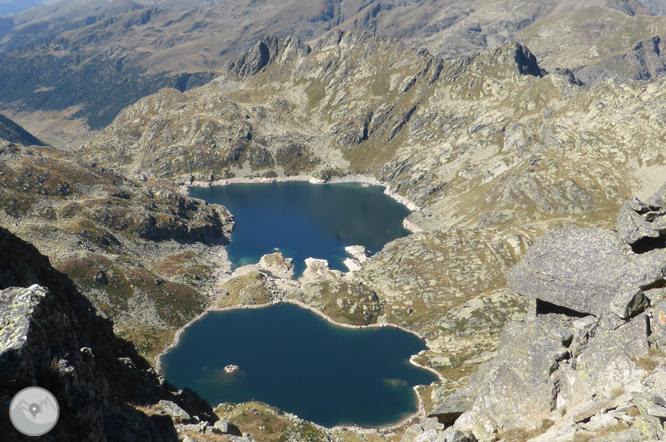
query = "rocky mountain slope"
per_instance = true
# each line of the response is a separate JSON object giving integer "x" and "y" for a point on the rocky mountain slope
{"x": 588, "y": 362}
{"x": 143, "y": 253}
{"x": 13, "y": 133}
{"x": 490, "y": 131}
{"x": 119, "y": 51}
{"x": 50, "y": 336}
{"x": 492, "y": 148}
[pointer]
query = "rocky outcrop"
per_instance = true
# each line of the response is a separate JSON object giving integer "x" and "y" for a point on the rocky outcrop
{"x": 643, "y": 225}
{"x": 358, "y": 254}
{"x": 559, "y": 376}
{"x": 224, "y": 426}
{"x": 316, "y": 269}
{"x": 643, "y": 62}
{"x": 526, "y": 62}
{"x": 589, "y": 357}
{"x": 268, "y": 50}
{"x": 430, "y": 430}
{"x": 276, "y": 264}
{"x": 51, "y": 336}
{"x": 559, "y": 271}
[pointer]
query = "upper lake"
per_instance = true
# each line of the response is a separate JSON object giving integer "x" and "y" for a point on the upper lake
{"x": 305, "y": 220}
{"x": 290, "y": 358}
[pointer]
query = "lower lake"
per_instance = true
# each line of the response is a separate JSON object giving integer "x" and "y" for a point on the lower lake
{"x": 293, "y": 359}
{"x": 305, "y": 220}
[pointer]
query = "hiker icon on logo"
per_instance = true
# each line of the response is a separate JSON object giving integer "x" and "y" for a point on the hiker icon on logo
{"x": 34, "y": 411}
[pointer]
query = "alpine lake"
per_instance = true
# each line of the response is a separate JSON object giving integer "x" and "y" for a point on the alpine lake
{"x": 287, "y": 356}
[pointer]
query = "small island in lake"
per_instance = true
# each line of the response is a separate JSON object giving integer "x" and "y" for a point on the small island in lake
{"x": 231, "y": 368}
{"x": 294, "y": 360}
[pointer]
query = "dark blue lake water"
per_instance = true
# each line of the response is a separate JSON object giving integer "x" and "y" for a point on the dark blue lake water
{"x": 305, "y": 220}
{"x": 291, "y": 358}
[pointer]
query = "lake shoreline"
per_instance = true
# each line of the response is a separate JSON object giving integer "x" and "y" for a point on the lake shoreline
{"x": 302, "y": 305}
{"x": 365, "y": 181}
{"x": 421, "y": 406}
{"x": 360, "y": 179}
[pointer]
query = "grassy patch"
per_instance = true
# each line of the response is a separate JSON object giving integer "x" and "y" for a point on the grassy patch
{"x": 347, "y": 302}
{"x": 585, "y": 437}
{"x": 248, "y": 289}
{"x": 523, "y": 435}
{"x": 647, "y": 363}
{"x": 315, "y": 92}
{"x": 296, "y": 159}
{"x": 265, "y": 423}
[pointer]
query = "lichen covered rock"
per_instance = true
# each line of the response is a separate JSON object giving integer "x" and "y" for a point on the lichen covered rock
{"x": 587, "y": 270}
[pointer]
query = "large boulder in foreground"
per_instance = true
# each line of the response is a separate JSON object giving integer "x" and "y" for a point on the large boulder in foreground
{"x": 587, "y": 271}
{"x": 589, "y": 361}
{"x": 518, "y": 379}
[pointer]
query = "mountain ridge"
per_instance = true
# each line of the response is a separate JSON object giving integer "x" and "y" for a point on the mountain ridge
{"x": 12, "y": 132}
{"x": 159, "y": 41}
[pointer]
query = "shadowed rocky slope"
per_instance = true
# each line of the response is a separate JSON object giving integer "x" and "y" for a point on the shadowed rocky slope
{"x": 14, "y": 133}
{"x": 51, "y": 336}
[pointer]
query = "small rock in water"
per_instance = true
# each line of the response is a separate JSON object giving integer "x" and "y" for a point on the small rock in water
{"x": 231, "y": 368}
